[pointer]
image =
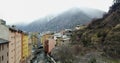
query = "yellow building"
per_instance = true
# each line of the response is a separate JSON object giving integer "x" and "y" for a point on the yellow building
{"x": 29, "y": 47}
{"x": 25, "y": 48}
{"x": 34, "y": 39}
{"x": 42, "y": 39}
{"x": 45, "y": 37}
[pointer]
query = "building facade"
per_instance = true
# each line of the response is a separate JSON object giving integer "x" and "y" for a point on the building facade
{"x": 25, "y": 47}
{"x": 18, "y": 45}
{"x": 29, "y": 46}
{"x": 14, "y": 36}
{"x": 49, "y": 44}
{"x": 12, "y": 46}
{"x": 45, "y": 37}
{"x": 4, "y": 30}
{"x": 4, "y": 51}
{"x": 6, "y": 34}
{"x": 34, "y": 39}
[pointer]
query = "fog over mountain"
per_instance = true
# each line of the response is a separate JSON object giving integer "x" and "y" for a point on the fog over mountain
{"x": 65, "y": 20}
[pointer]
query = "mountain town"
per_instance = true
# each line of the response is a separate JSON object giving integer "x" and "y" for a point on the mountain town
{"x": 74, "y": 37}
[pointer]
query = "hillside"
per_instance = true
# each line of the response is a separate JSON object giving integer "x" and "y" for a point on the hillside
{"x": 98, "y": 42}
{"x": 102, "y": 34}
{"x": 68, "y": 19}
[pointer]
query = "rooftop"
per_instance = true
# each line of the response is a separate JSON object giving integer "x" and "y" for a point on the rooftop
{"x": 3, "y": 41}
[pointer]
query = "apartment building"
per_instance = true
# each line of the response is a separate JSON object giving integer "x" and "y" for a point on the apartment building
{"x": 4, "y": 51}
{"x": 18, "y": 45}
{"x": 14, "y": 36}
{"x": 25, "y": 49}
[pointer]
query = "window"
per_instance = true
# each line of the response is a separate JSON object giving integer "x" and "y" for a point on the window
{"x": 7, "y": 45}
{"x": 11, "y": 57}
{"x": 2, "y": 58}
{"x": 7, "y": 61}
{"x": 7, "y": 53}
{"x": 2, "y": 47}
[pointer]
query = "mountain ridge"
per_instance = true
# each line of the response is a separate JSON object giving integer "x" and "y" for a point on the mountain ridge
{"x": 72, "y": 17}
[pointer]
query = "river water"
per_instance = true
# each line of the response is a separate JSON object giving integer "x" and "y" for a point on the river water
{"x": 41, "y": 57}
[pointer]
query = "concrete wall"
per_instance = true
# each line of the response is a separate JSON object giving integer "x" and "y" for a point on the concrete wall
{"x": 4, "y": 32}
{"x": 4, "y": 53}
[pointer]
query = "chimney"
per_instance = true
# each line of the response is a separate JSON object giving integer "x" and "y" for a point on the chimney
{"x": 2, "y": 22}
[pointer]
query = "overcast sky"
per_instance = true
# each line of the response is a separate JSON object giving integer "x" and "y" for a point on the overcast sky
{"x": 16, "y": 11}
